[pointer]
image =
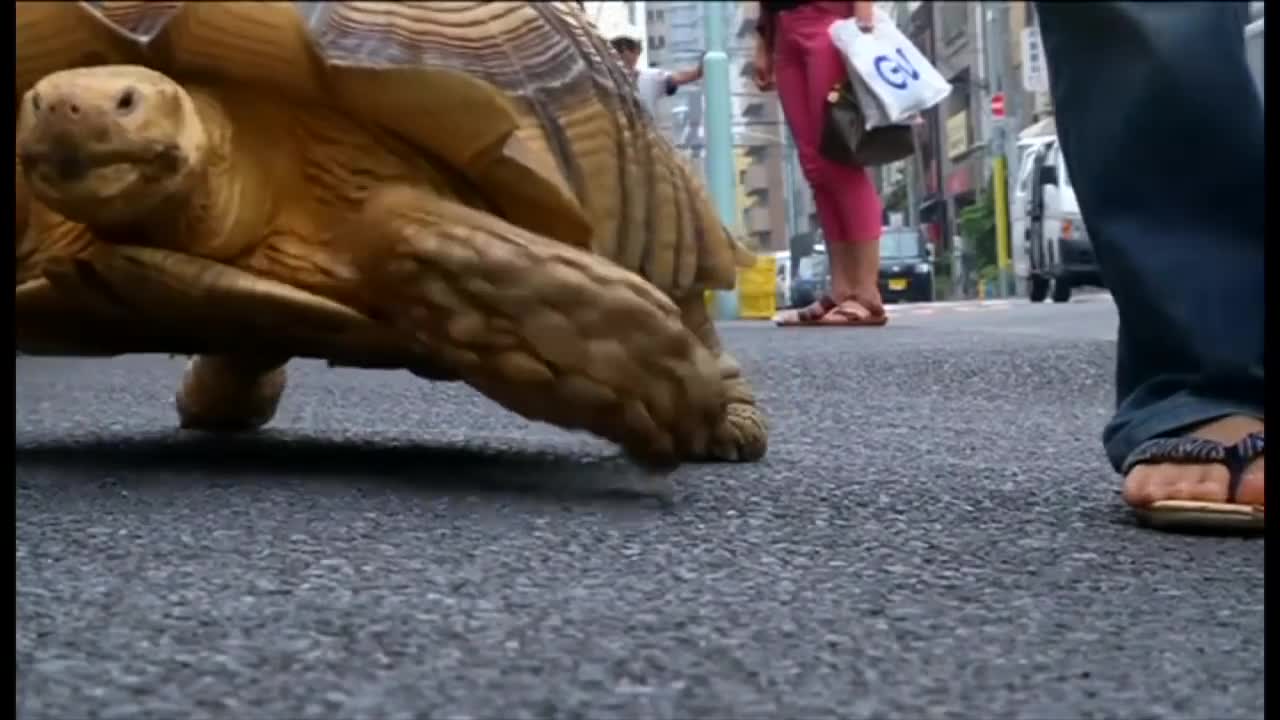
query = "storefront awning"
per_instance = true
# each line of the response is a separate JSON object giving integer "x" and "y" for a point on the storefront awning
{"x": 929, "y": 204}
{"x": 1045, "y": 128}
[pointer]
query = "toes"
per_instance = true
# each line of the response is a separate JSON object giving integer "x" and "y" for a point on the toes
{"x": 1147, "y": 484}
{"x": 1253, "y": 488}
{"x": 1139, "y": 484}
{"x": 1205, "y": 483}
{"x": 1209, "y": 482}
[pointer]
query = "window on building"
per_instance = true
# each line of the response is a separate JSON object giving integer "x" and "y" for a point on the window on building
{"x": 922, "y": 37}
{"x": 648, "y": 16}
{"x": 662, "y": 15}
{"x": 958, "y": 123}
{"x": 958, "y": 100}
{"x": 631, "y": 13}
{"x": 954, "y": 19}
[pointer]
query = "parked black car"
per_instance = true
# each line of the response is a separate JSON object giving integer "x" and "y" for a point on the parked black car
{"x": 812, "y": 279}
{"x": 906, "y": 266}
{"x": 906, "y": 270}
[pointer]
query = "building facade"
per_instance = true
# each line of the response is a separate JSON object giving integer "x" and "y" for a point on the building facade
{"x": 673, "y": 41}
{"x": 615, "y": 18}
{"x": 962, "y": 155}
{"x": 759, "y": 137}
{"x": 952, "y": 165}
{"x": 676, "y": 33}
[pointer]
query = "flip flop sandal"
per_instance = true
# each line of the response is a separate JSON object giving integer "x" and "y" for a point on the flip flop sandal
{"x": 1195, "y": 514}
{"x": 852, "y": 313}
{"x": 805, "y": 316}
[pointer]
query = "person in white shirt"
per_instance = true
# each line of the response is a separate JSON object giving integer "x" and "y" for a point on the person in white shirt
{"x": 652, "y": 83}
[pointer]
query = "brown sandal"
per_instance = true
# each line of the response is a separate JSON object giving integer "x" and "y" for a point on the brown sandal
{"x": 852, "y": 313}
{"x": 811, "y": 314}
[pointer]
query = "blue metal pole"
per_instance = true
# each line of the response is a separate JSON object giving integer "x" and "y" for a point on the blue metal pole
{"x": 789, "y": 181}
{"x": 719, "y": 136}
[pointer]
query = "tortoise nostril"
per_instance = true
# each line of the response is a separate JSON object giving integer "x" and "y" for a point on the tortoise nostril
{"x": 74, "y": 109}
{"x": 126, "y": 101}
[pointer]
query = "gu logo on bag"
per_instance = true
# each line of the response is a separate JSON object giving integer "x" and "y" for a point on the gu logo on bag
{"x": 892, "y": 79}
{"x": 886, "y": 66}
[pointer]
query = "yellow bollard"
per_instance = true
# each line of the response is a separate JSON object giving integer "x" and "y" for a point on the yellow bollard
{"x": 758, "y": 289}
{"x": 1003, "y": 255}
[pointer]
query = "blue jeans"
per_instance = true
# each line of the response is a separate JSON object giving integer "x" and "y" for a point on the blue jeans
{"x": 1161, "y": 126}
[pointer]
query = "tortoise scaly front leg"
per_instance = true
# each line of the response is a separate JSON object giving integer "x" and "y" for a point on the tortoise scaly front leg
{"x": 743, "y": 436}
{"x": 547, "y": 330}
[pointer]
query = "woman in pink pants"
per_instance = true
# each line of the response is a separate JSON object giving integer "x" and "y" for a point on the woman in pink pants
{"x": 795, "y": 53}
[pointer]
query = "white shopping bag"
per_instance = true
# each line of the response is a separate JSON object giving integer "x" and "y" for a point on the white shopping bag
{"x": 890, "y": 68}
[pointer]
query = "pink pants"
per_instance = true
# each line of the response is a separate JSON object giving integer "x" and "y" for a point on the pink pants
{"x": 806, "y": 66}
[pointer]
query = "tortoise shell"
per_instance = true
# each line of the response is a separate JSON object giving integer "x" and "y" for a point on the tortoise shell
{"x": 524, "y": 98}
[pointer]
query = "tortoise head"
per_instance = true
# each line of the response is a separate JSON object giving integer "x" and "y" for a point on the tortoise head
{"x": 104, "y": 145}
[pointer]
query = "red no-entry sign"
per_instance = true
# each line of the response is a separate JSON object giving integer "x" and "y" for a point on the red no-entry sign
{"x": 997, "y": 105}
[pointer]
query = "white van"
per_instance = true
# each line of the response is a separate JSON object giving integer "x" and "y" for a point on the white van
{"x": 782, "y": 268}
{"x": 1055, "y": 254}
{"x": 1051, "y": 248}
{"x": 1254, "y": 45}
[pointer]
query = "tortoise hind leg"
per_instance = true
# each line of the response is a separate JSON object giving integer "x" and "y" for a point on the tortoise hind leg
{"x": 547, "y": 330}
{"x": 743, "y": 435}
{"x": 225, "y": 393}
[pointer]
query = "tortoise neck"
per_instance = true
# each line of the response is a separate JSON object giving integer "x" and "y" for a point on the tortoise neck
{"x": 228, "y": 200}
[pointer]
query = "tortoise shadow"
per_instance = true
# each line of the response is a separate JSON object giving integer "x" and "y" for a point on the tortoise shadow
{"x": 442, "y": 467}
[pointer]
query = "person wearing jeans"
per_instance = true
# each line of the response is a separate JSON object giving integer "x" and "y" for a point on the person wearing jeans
{"x": 1162, "y": 130}
{"x": 795, "y": 53}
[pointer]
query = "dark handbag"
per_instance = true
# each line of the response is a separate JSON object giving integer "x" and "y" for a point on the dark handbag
{"x": 847, "y": 141}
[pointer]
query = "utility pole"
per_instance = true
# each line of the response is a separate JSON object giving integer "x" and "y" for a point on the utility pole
{"x": 902, "y": 16}
{"x": 719, "y": 136}
{"x": 789, "y": 182}
{"x": 934, "y": 119}
{"x": 997, "y": 44}
{"x": 1021, "y": 112}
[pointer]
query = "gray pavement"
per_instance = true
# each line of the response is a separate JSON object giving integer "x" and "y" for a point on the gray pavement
{"x": 934, "y": 534}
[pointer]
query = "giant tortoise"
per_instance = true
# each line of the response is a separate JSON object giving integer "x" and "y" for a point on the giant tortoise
{"x": 466, "y": 190}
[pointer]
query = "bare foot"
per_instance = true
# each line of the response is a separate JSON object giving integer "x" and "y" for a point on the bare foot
{"x": 855, "y": 274}
{"x": 1154, "y": 482}
{"x": 867, "y": 296}
{"x": 852, "y": 312}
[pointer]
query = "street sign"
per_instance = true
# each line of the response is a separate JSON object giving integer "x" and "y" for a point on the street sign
{"x": 1035, "y": 74}
{"x": 999, "y": 136}
{"x": 997, "y": 105}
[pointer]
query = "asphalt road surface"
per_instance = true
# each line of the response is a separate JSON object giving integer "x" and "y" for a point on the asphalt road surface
{"x": 934, "y": 534}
